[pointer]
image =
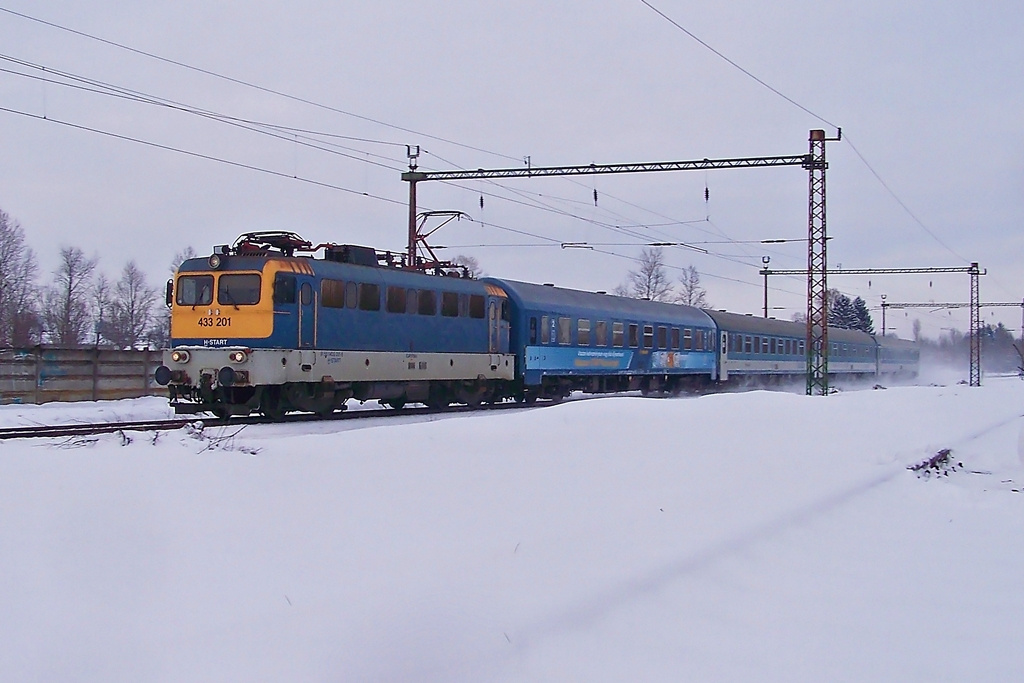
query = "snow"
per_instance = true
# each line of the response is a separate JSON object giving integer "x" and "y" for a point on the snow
{"x": 749, "y": 536}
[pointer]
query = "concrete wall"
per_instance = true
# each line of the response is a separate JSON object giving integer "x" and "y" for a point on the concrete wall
{"x": 46, "y": 373}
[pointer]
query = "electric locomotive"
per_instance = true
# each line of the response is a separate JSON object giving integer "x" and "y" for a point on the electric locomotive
{"x": 263, "y": 326}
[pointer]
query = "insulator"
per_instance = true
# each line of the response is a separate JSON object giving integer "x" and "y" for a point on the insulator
{"x": 707, "y": 194}
{"x": 595, "y": 196}
{"x": 481, "y": 201}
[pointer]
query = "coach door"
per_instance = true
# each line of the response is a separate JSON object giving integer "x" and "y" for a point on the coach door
{"x": 723, "y": 371}
{"x": 492, "y": 327}
{"x": 307, "y": 316}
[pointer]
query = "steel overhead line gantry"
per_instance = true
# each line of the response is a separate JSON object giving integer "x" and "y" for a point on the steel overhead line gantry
{"x": 813, "y": 162}
{"x": 928, "y": 304}
{"x": 974, "y": 271}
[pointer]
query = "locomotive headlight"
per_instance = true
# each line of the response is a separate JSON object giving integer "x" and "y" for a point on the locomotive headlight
{"x": 237, "y": 356}
{"x": 179, "y": 356}
{"x": 215, "y": 260}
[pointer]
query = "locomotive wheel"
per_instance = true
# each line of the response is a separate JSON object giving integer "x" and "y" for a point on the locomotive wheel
{"x": 270, "y": 404}
{"x": 396, "y": 403}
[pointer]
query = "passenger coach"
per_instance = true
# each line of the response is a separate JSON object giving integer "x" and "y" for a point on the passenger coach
{"x": 567, "y": 340}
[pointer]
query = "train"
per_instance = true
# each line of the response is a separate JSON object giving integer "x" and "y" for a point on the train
{"x": 273, "y": 324}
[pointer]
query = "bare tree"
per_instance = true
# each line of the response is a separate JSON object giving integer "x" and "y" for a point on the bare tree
{"x": 132, "y": 307}
{"x": 649, "y": 281}
{"x": 67, "y": 313}
{"x": 690, "y": 291}
{"x": 100, "y": 302}
{"x": 180, "y": 257}
{"x": 471, "y": 264}
{"x": 19, "y": 317}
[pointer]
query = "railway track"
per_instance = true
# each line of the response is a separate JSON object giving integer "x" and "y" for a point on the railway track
{"x": 72, "y": 430}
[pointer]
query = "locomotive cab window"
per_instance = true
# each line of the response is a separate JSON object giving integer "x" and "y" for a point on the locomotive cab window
{"x": 428, "y": 302}
{"x": 332, "y": 293}
{"x": 238, "y": 290}
{"x": 369, "y": 297}
{"x": 533, "y": 330}
{"x": 194, "y": 290}
{"x": 476, "y": 306}
{"x": 450, "y": 304}
{"x": 284, "y": 288}
{"x": 396, "y": 300}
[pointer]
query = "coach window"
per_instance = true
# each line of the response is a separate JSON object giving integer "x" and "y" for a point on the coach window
{"x": 411, "y": 302}
{"x": 369, "y": 297}
{"x": 674, "y": 339}
{"x": 351, "y": 295}
{"x": 449, "y": 304}
{"x": 698, "y": 341}
{"x": 583, "y": 332}
{"x": 771, "y": 346}
{"x": 544, "y": 321}
{"x": 197, "y": 290}
{"x": 648, "y": 336}
{"x": 634, "y": 339}
{"x": 396, "y": 300}
{"x": 601, "y": 333}
{"x": 332, "y": 293}
{"x": 564, "y": 330}
{"x": 476, "y": 306}
{"x": 662, "y": 337}
{"x": 284, "y": 289}
{"x": 238, "y": 290}
{"x": 428, "y": 302}
{"x": 533, "y": 330}
{"x": 617, "y": 334}
{"x": 801, "y": 348}
{"x": 687, "y": 339}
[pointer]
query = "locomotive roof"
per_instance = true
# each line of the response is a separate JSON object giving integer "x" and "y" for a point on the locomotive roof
{"x": 340, "y": 270}
{"x": 577, "y": 302}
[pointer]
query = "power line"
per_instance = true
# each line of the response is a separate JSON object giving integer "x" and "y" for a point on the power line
{"x": 248, "y": 84}
{"x": 737, "y": 66}
{"x": 199, "y": 155}
{"x": 111, "y": 90}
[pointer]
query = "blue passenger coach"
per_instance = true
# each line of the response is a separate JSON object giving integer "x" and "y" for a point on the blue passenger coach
{"x": 567, "y": 340}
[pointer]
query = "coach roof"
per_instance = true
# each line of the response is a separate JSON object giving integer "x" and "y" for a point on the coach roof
{"x": 579, "y": 303}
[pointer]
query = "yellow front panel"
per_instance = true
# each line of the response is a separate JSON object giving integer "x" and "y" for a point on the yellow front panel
{"x": 219, "y": 320}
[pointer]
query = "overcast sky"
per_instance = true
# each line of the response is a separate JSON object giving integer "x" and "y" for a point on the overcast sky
{"x": 929, "y": 97}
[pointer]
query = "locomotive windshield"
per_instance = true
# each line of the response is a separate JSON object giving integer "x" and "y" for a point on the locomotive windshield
{"x": 195, "y": 290}
{"x": 238, "y": 290}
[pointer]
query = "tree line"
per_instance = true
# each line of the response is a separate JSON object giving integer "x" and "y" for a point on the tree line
{"x": 77, "y": 303}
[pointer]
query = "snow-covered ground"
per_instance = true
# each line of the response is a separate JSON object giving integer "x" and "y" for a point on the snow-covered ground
{"x": 749, "y": 536}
